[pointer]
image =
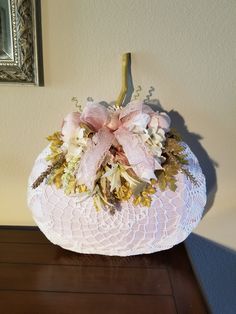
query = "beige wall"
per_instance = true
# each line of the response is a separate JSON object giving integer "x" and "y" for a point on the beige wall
{"x": 186, "y": 49}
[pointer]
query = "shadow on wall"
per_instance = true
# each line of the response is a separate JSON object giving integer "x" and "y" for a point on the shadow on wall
{"x": 214, "y": 266}
{"x": 207, "y": 164}
{"x": 193, "y": 140}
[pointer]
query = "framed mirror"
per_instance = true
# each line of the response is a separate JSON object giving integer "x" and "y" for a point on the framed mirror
{"x": 21, "y": 58}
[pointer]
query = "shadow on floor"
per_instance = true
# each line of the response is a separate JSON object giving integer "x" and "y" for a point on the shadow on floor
{"x": 215, "y": 268}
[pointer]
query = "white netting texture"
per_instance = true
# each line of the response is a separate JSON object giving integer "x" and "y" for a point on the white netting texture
{"x": 132, "y": 230}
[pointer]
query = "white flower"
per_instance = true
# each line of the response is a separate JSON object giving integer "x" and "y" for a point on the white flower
{"x": 79, "y": 137}
{"x": 156, "y": 143}
{"x": 77, "y": 144}
{"x": 157, "y": 151}
{"x": 115, "y": 173}
{"x": 157, "y": 137}
{"x": 73, "y": 150}
{"x": 148, "y": 174}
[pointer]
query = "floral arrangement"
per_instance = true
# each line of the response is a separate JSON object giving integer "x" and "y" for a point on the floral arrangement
{"x": 115, "y": 154}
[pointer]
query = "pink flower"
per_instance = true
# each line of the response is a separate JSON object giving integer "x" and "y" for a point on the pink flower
{"x": 69, "y": 126}
{"x": 160, "y": 120}
{"x": 114, "y": 123}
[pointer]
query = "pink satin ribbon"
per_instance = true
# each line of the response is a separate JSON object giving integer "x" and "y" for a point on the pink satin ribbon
{"x": 113, "y": 128}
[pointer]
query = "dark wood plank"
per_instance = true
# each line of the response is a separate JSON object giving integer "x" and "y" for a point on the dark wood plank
{"x": 52, "y": 254}
{"x": 73, "y": 303}
{"x": 41, "y": 276}
{"x": 188, "y": 296}
{"x": 152, "y": 281}
{"x": 9, "y": 235}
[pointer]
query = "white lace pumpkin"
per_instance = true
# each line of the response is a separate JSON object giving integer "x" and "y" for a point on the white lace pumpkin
{"x": 132, "y": 229}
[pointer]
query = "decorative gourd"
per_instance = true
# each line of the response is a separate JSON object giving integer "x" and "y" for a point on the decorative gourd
{"x": 117, "y": 181}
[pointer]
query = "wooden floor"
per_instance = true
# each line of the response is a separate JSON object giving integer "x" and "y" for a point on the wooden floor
{"x": 37, "y": 277}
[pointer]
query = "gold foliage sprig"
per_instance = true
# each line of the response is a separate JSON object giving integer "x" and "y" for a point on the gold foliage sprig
{"x": 49, "y": 170}
{"x": 55, "y": 146}
{"x": 190, "y": 176}
{"x": 115, "y": 182}
{"x": 57, "y": 159}
{"x": 144, "y": 197}
{"x": 176, "y": 161}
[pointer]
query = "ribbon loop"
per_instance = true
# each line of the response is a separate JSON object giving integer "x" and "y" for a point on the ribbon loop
{"x": 141, "y": 161}
{"x": 93, "y": 157}
{"x": 124, "y": 126}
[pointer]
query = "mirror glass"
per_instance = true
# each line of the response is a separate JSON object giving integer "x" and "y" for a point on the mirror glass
{"x": 6, "y": 46}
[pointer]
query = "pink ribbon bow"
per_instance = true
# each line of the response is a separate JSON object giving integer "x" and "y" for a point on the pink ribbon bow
{"x": 115, "y": 128}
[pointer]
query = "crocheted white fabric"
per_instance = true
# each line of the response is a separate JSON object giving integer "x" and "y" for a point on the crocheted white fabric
{"x": 131, "y": 230}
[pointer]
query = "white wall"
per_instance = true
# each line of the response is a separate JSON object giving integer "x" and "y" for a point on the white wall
{"x": 186, "y": 49}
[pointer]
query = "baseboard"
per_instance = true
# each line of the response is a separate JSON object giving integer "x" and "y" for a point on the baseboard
{"x": 10, "y": 227}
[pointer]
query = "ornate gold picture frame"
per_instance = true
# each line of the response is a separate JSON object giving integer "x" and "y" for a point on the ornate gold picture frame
{"x": 21, "y": 58}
